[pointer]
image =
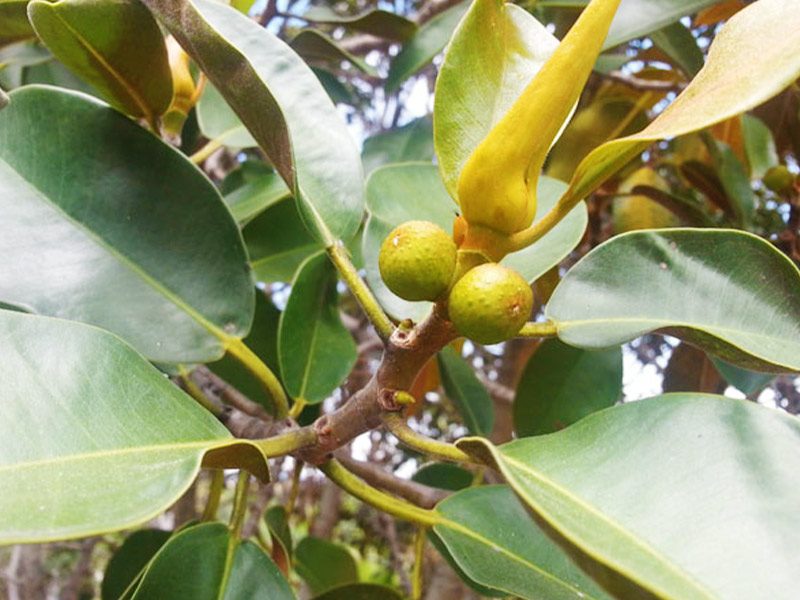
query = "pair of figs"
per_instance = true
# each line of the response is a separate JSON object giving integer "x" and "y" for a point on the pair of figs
{"x": 488, "y": 304}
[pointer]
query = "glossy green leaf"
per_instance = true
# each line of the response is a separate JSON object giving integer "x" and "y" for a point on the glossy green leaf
{"x": 324, "y": 565}
{"x": 465, "y": 391}
{"x": 315, "y": 349}
{"x": 677, "y": 42}
{"x": 129, "y": 561}
{"x": 218, "y": 121}
{"x": 284, "y": 106}
{"x": 444, "y": 476}
{"x": 561, "y": 384}
{"x": 411, "y": 142}
{"x": 360, "y": 591}
{"x": 102, "y": 235}
{"x": 759, "y": 146}
{"x": 494, "y": 54}
{"x": 399, "y": 193}
{"x": 746, "y": 381}
{"x": 207, "y": 562}
{"x": 92, "y": 437}
{"x": 116, "y": 46}
{"x": 705, "y": 286}
{"x": 495, "y": 543}
{"x": 752, "y": 58}
{"x": 278, "y": 242}
{"x": 420, "y": 50}
{"x": 624, "y": 487}
{"x": 263, "y": 341}
{"x": 377, "y": 22}
{"x": 314, "y": 45}
{"x": 14, "y": 24}
{"x": 254, "y": 197}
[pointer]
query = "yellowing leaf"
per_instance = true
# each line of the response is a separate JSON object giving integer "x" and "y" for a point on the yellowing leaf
{"x": 753, "y": 58}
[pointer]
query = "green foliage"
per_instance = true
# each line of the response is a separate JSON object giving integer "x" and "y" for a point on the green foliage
{"x": 683, "y": 449}
{"x": 190, "y": 280}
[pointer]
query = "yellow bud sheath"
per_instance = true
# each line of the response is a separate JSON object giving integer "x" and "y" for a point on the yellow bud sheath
{"x": 497, "y": 187}
{"x": 184, "y": 90}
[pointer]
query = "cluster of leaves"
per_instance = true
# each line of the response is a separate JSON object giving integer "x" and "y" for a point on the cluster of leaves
{"x": 124, "y": 261}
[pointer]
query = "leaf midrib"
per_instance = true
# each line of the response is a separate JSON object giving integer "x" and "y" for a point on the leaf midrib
{"x": 108, "y": 453}
{"x": 554, "y": 487}
{"x": 446, "y": 522}
{"x": 132, "y": 93}
{"x": 127, "y": 262}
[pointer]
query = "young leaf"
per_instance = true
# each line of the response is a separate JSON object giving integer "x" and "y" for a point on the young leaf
{"x": 704, "y": 286}
{"x": 93, "y": 438}
{"x": 562, "y": 384}
{"x": 206, "y": 562}
{"x": 283, "y": 105}
{"x": 115, "y": 46}
{"x": 494, "y": 542}
{"x": 493, "y": 55}
{"x": 465, "y": 390}
{"x": 751, "y": 59}
{"x": 129, "y": 560}
{"x": 102, "y": 235}
{"x": 324, "y": 565}
{"x": 623, "y": 488}
{"x": 315, "y": 350}
{"x": 428, "y": 41}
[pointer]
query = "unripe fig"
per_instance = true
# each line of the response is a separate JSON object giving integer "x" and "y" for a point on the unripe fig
{"x": 417, "y": 260}
{"x": 490, "y": 303}
{"x": 640, "y": 212}
{"x": 778, "y": 179}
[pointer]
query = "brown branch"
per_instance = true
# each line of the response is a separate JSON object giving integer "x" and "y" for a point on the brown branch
{"x": 406, "y": 353}
{"x": 214, "y": 385}
{"x": 417, "y": 493}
